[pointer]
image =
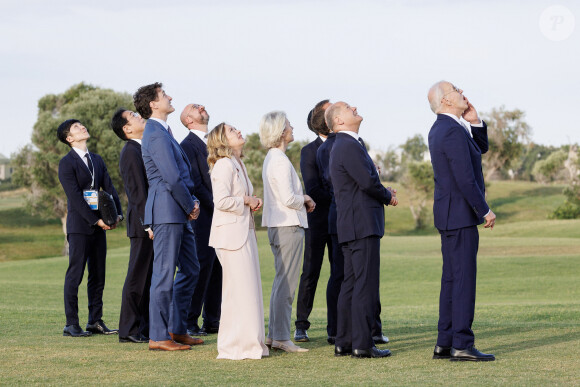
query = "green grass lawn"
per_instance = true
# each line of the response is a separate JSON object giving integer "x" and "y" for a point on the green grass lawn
{"x": 527, "y": 311}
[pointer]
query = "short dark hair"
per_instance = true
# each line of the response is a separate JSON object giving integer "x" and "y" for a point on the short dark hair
{"x": 308, "y": 122}
{"x": 64, "y": 129}
{"x": 317, "y": 123}
{"x": 117, "y": 123}
{"x": 144, "y": 96}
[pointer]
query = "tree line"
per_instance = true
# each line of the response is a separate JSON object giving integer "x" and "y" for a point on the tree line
{"x": 511, "y": 155}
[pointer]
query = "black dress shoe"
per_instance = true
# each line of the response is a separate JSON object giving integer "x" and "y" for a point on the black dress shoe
{"x": 209, "y": 330}
{"x": 342, "y": 351}
{"x": 470, "y": 354}
{"x": 74, "y": 331}
{"x": 381, "y": 339}
{"x": 331, "y": 340}
{"x": 301, "y": 336}
{"x": 196, "y": 332}
{"x": 100, "y": 328}
{"x": 441, "y": 352}
{"x": 132, "y": 339}
{"x": 371, "y": 352}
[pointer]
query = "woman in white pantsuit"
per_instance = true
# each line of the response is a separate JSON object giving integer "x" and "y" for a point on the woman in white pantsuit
{"x": 284, "y": 214}
{"x": 241, "y": 334}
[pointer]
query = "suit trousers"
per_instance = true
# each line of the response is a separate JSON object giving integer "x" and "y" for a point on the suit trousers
{"x": 457, "y": 297}
{"x": 134, "y": 317}
{"x": 286, "y": 244}
{"x": 315, "y": 242}
{"x": 90, "y": 251}
{"x": 206, "y": 288}
{"x": 174, "y": 246}
{"x": 357, "y": 302}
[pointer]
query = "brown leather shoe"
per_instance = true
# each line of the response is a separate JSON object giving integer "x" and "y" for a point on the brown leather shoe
{"x": 167, "y": 345}
{"x": 186, "y": 339}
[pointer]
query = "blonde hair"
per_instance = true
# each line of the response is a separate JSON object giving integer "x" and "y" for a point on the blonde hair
{"x": 271, "y": 127}
{"x": 217, "y": 145}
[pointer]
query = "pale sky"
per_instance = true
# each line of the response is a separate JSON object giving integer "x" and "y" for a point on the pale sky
{"x": 242, "y": 59}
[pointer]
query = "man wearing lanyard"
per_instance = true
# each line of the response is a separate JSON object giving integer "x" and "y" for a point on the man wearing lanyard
{"x": 81, "y": 175}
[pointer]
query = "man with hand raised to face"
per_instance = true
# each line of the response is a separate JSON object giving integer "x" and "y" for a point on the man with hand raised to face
{"x": 458, "y": 208}
{"x": 170, "y": 206}
{"x": 82, "y": 174}
{"x": 208, "y": 291}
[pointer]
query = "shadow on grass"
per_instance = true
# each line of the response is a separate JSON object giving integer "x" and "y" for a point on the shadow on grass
{"x": 19, "y": 217}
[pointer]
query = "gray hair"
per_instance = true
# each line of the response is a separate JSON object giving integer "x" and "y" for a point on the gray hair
{"x": 330, "y": 114}
{"x": 271, "y": 127}
{"x": 435, "y": 96}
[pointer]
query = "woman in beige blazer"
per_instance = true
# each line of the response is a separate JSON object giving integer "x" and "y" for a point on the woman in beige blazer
{"x": 241, "y": 334}
{"x": 285, "y": 208}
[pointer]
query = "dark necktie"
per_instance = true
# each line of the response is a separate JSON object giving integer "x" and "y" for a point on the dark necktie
{"x": 169, "y": 130}
{"x": 89, "y": 162}
{"x": 362, "y": 142}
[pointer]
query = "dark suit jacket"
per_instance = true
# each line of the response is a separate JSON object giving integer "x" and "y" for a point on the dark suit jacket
{"x": 170, "y": 198}
{"x": 358, "y": 191}
{"x": 136, "y": 186}
{"x": 322, "y": 161}
{"x": 75, "y": 177}
{"x": 196, "y": 152}
{"x": 459, "y": 187}
{"x": 313, "y": 185}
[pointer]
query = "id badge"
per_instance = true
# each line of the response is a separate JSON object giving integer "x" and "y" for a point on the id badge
{"x": 92, "y": 199}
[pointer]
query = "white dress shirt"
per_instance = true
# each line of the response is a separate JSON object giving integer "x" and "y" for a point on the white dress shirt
{"x": 202, "y": 135}
{"x": 283, "y": 195}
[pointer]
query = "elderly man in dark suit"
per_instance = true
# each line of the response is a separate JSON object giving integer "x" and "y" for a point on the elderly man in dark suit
{"x": 458, "y": 208}
{"x": 134, "y": 317}
{"x": 317, "y": 238}
{"x": 360, "y": 199}
{"x": 82, "y": 174}
{"x": 170, "y": 206}
{"x": 208, "y": 291}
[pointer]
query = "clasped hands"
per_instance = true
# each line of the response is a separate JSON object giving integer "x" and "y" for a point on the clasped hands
{"x": 309, "y": 203}
{"x": 195, "y": 212}
{"x": 254, "y": 202}
{"x": 394, "y": 201}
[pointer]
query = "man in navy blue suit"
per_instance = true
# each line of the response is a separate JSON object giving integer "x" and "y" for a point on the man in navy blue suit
{"x": 169, "y": 208}
{"x": 459, "y": 206}
{"x": 134, "y": 316}
{"x": 337, "y": 259}
{"x": 360, "y": 198}
{"x": 82, "y": 174}
{"x": 316, "y": 235}
{"x": 208, "y": 291}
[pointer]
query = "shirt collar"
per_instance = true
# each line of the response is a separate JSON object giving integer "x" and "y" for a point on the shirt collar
{"x": 352, "y": 134}
{"x": 202, "y": 135}
{"x": 137, "y": 140}
{"x": 81, "y": 152}
{"x": 165, "y": 125}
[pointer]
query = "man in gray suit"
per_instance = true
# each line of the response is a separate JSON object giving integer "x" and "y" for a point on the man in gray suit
{"x": 169, "y": 208}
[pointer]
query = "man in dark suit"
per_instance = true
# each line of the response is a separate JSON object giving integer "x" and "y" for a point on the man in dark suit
{"x": 134, "y": 318}
{"x": 169, "y": 208}
{"x": 337, "y": 259}
{"x": 316, "y": 235}
{"x": 458, "y": 208}
{"x": 82, "y": 174}
{"x": 208, "y": 291}
{"x": 360, "y": 199}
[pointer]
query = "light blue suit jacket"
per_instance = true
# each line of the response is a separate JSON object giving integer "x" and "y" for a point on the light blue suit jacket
{"x": 170, "y": 198}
